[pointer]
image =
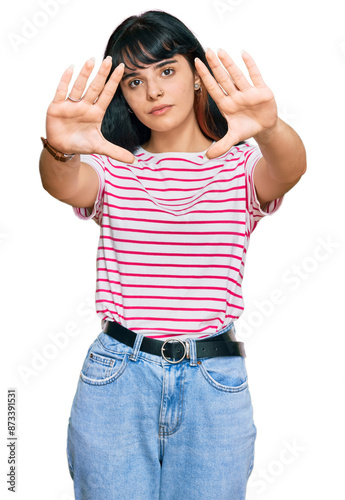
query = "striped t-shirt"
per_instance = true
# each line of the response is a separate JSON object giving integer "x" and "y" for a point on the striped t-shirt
{"x": 174, "y": 233}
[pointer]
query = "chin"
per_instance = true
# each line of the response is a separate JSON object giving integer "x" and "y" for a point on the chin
{"x": 163, "y": 126}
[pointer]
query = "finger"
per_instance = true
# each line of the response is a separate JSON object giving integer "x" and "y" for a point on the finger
{"x": 81, "y": 81}
{"x": 97, "y": 84}
{"x": 110, "y": 87}
{"x": 234, "y": 71}
{"x": 62, "y": 89}
{"x": 117, "y": 153}
{"x": 253, "y": 70}
{"x": 222, "y": 77}
{"x": 221, "y": 146}
{"x": 210, "y": 83}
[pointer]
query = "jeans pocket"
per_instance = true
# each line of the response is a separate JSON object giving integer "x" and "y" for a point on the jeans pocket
{"x": 101, "y": 366}
{"x": 225, "y": 373}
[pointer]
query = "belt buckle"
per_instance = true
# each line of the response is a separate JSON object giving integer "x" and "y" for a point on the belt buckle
{"x": 185, "y": 346}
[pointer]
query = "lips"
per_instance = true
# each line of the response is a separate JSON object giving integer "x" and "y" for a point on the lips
{"x": 161, "y": 106}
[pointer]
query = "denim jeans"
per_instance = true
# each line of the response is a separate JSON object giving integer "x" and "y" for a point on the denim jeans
{"x": 142, "y": 428}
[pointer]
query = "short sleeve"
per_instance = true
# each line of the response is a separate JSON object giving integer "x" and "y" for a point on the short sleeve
{"x": 98, "y": 163}
{"x": 255, "y": 212}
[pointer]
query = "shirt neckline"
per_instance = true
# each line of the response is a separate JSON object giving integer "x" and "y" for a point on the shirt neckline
{"x": 197, "y": 153}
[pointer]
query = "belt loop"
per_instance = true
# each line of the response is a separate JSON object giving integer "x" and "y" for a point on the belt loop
{"x": 136, "y": 347}
{"x": 192, "y": 352}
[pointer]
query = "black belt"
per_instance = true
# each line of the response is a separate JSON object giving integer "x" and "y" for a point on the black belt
{"x": 175, "y": 348}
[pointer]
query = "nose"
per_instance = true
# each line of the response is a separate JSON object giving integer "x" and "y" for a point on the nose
{"x": 153, "y": 90}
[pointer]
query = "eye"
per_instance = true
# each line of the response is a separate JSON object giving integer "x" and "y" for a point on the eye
{"x": 134, "y": 82}
{"x": 168, "y": 71}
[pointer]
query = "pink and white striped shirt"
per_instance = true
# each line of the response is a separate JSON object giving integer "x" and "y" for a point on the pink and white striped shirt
{"x": 174, "y": 233}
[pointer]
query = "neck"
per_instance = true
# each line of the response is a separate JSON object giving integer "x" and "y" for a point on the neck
{"x": 188, "y": 139}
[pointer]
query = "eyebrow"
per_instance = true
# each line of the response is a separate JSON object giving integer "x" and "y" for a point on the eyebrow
{"x": 156, "y": 66}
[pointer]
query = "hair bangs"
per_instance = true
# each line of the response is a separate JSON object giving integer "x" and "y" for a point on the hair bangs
{"x": 144, "y": 46}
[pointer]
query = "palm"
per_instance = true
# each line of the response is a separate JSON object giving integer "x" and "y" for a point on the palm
{"x": 242, "y": 112}
{"x": 248, "y": 110}
{"x": 75, "y": 127}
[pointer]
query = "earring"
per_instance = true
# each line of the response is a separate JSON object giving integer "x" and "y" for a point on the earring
{"x": 129, "y": 109}
{"x": 198, "y": 87}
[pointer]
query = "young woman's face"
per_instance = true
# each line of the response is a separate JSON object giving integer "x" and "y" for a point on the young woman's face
{"x": 168, "y": 85}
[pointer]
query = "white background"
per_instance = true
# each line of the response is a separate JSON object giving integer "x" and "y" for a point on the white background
{"x": 295, "y": 348}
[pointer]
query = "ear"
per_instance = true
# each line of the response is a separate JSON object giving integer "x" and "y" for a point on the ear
{"x": 197, "y": 78}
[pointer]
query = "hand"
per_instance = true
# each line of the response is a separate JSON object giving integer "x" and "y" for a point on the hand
{"x": 75, "y": 127}
{"x": 249, "y": 110}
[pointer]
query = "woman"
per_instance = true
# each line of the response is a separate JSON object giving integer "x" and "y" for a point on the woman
{"x": 156, "y": 152}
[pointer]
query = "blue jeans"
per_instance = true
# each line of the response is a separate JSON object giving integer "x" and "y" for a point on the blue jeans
{"x": 142, "y": 428}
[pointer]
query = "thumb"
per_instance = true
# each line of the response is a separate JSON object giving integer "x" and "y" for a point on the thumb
{"x": 117, "y": 153}
{"x": 220, "y": 147}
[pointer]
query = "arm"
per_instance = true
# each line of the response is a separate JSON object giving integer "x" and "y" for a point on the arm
{"x": 73, "y": 182}
{"x": 283, "y": 163}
